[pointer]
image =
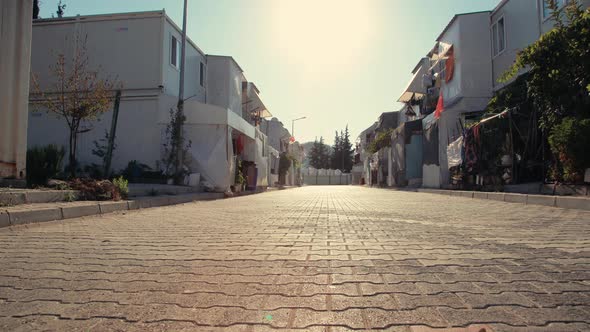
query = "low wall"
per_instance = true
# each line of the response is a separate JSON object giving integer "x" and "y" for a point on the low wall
{"x": 327, "y": 180}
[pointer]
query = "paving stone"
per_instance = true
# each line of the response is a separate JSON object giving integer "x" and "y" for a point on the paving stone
{"x": 313, "y": 258}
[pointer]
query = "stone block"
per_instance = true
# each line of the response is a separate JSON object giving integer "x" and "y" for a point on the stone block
{"x": 480, "y": 195}
{"x": 108, "y": 207}
{"x": 80, "y": 211}
{"x": 540, "y": 200}
{"x": 515, "y": 198}
{"x": 468, "y": 194}
{"x": 573, "y": 203}
{"x": 20, "y": 217}
{"x": 4, "y": 219}
{"x": 496, "y": 196}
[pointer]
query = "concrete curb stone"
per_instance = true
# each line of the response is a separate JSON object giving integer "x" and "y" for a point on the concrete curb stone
{"x": 108, "y": 207}
{"x": 32, "y": 216}
{"x": 564, "y": 202}
{"x": 480, "y": 195}
{"x": 4, "y": 219}
{"x": 573, "y": 203}
{"x": 515, "y": 198}
{"x": 541, "y": 200}
{"x": 80, "y": 211}
{"x": 496, "y": 196}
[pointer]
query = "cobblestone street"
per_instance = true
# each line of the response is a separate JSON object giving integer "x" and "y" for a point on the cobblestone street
{"x": 313, "y": 258}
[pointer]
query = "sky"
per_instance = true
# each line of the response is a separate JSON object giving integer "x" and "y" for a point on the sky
{"x": 336, "y": 62}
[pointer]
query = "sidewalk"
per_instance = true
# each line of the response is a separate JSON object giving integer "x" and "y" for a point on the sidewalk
{"x": 42, "y": 212}
{"x": 27, "y": 213}
{"x": 564, "y": 202}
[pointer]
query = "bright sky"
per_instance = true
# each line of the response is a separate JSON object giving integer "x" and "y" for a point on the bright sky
{"x": 337, "y": 62}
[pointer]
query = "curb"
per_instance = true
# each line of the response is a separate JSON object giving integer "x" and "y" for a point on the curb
{"x": 564, "y": 202}
{"x": 13, "y": 218}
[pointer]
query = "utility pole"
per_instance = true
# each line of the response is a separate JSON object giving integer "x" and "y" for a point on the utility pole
{"x": 180, "y": 113}
{"x": 293, "y": 125}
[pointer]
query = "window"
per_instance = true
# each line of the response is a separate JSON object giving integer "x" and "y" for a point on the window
{"x": 202, "y": 74}
{"x": 547, "y": 11}
{"x": 175, "y": 52}
{"x": 498, "y": 37}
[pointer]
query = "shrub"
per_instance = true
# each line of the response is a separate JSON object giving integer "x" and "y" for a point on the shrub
{"x": 122, "y": 186}
{"x": 569, "y": 141}
{"x": 95, "y": 190}
{"x": 44, "y": 163}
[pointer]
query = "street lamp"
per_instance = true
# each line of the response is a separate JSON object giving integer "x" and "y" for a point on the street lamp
{"x": 293, "y": 125}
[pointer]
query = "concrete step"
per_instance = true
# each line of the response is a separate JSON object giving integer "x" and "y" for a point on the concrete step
{"x": 11, "y": 197}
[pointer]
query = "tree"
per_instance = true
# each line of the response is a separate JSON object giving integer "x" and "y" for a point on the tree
{"x": 60, "y": 9}
{"x": 336, "y": 158}
{"x": 559, "y": 67}
{"x": 77, "y": 94}
{"x": 35, "y": 9}
{"x": 347, "y": 151}
{"x": 558, "y": 85}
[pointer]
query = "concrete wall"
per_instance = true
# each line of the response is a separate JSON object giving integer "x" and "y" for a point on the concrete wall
{"x": 224, "y": 83}
{"x": 15, "y": 38}
{"x": 171, "y": 74}
{"x": 125, "y": 48}
{"x": 473, "y": 60}
{"x": 276, "y": 133}
{"x": 521, "y": 22}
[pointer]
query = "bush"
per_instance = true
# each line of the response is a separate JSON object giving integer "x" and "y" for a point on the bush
{"x": 44, "y": 163}
{"x": 122, "y": 186}
{"x": 569, "y": 141}
{"x": 94, "y": 190}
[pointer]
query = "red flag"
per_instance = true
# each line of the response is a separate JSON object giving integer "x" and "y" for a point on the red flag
{"x": 292, "y": 139}
{"x": 440, "y": 106}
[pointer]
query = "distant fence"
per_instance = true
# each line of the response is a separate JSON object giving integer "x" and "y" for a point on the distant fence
{"x": 327, "y": 180}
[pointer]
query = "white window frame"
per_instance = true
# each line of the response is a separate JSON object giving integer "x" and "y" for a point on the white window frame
{"x": 562, "y": 3}
{"x": 178, "y": 51}
{"x": 495, "y": 31}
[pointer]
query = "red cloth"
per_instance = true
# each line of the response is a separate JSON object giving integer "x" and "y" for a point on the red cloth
{"x": 450, "y": 64}
{"x": 292, "y": 139}
{"x": 440, "y": 106}
{"x": 240, "y": 144}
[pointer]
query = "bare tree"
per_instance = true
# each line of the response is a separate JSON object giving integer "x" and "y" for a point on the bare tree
{"x": 77, "y": 94}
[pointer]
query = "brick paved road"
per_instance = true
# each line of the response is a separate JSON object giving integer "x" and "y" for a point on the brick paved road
{"x": 315, "y": 258}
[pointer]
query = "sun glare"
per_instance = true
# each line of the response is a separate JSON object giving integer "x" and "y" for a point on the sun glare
{"x": 323, "y": 35}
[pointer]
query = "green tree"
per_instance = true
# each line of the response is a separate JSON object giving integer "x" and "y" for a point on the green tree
{"x": 35, "y": 9}
{"x": 314, "y": 155}
{"x": 559, "y": 67}
{"x": 557, "y": 85}
{"x": 347, "y": 151}
{"x": 336, "y": 157}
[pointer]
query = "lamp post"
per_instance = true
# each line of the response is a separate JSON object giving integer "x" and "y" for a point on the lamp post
{"x": 180, "y": 112}
{"x": 293, "y": 125}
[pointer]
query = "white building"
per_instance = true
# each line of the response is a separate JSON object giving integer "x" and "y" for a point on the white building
{"x": 142, "y": 51}
{"x": 15, "y": 51}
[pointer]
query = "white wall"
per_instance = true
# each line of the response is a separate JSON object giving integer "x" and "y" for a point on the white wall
{"x": 224, "y": 83}
{"x": 15, "y": 38}
{"x": 473, "y": 61}
{"x": 521, "y": 22}
{"x": 171, "y": 74}
{"x": 125, "y": 49}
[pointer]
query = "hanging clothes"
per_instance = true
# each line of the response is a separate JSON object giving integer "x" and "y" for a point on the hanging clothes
{"x": 440, "y": 106}
{"x": 471, "y": 148}
{"x": 454, "y": 154}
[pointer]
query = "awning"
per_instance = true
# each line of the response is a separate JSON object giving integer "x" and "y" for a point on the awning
{"x": 253, "y": 103}
{"x": 415, "y": 88}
